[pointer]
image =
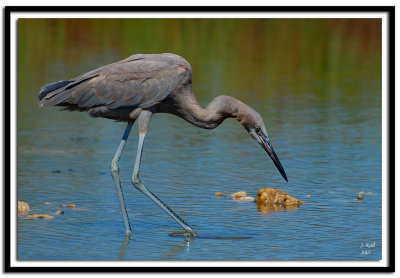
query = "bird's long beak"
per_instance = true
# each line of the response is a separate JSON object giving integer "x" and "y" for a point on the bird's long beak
{"x": 266, "y": 144}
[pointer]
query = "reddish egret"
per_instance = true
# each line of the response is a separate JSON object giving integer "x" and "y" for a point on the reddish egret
{"x": 136, "y": 88}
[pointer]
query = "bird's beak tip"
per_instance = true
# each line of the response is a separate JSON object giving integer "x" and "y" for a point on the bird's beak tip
{"x": 285, "y": 176}
{"x": 283, "y": 173}
{"x": 270, "y": 150}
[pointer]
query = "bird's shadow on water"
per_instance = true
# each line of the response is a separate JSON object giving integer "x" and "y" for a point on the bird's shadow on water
{"x": 122, "y": 250}
{"x": 206, "y": 236}
{"x": 185, "y": 246}
{"x": 188, "y": 242}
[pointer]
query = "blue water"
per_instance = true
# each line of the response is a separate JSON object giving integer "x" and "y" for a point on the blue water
{"x": 329, "y": 151}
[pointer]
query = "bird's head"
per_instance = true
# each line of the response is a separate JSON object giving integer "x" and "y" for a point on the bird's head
{"x": 255, "y": 126}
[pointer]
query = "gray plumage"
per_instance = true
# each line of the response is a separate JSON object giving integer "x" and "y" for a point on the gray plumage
{"x": 139, "y": 86}
{"x": 140, "y": 81}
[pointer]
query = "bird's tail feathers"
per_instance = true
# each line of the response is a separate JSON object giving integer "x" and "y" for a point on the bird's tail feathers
{"x": 50, "y": 89}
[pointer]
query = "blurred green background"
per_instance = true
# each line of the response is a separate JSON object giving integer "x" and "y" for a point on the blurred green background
{"x": 247, "y": 55}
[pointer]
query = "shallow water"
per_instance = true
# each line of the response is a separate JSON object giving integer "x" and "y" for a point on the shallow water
{"x": 323, "y": 115}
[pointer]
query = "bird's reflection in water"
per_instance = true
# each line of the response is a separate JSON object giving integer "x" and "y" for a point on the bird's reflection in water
{"x": 179, "y": 248}
{"x": 122, "y": 250}
{"x": 175, "y": 250}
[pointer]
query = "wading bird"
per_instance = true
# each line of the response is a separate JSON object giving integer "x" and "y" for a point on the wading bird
{"x": 136, "y": 88}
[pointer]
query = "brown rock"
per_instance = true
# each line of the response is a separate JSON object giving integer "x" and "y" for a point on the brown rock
{"x": 273, "y": 199}
{"x": 68, "y": 205}
{"x": 219, "y": 194}
{"x": 23, "y": 208}
{"x": 39, "y": 216}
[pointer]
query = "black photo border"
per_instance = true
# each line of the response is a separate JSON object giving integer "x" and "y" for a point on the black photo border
{"x": 390, "y": 10}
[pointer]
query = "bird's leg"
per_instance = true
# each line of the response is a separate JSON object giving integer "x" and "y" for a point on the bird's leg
{"x": 115, "y": 174}
{"x": 143, "y": 121}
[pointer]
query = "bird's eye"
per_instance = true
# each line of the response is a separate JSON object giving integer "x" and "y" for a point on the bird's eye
{"x": 257, "y": 128}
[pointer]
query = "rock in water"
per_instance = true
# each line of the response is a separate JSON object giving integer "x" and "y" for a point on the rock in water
{"x": 219, "y": 194}
{"x": 273, "y": 199}
{"x": 246, "y": 198}
{"x": 68, "y": 205}
{"x": 23, "y": 208}
{"x": 239, "y": 195}
{"x": 39, "y": 216}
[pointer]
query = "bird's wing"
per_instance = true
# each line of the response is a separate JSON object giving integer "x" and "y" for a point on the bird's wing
{"x": 138, "y": 81}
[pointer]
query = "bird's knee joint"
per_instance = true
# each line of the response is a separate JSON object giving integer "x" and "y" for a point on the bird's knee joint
{"x": 136, "y": 181}
{"x": 114, "y": 167}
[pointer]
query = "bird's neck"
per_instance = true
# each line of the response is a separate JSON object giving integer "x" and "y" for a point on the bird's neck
{"x": 215, "y": 113}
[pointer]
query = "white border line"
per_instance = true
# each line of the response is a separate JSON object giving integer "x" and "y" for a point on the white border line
{"x": 385, "y": 123}
{"x": 197, "y": 15}
{"x": 13, "y": 232}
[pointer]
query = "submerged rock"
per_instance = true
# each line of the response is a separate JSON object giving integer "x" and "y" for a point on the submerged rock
{"x": 241, "y": 196}
{"x": 219, "y": 194}
{"x": 60, "y": 211}
{"x": 39, "y": 216}
{"x": 246, "y": 198}
{"x": 269, "y": 199}
{"x": 238, "y": 195}
{"x": 23, "y": 208}
{"x": 68, "y": 205}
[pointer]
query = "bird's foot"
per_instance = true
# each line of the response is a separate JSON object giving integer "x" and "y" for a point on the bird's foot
{"x": 187, "y": 234}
